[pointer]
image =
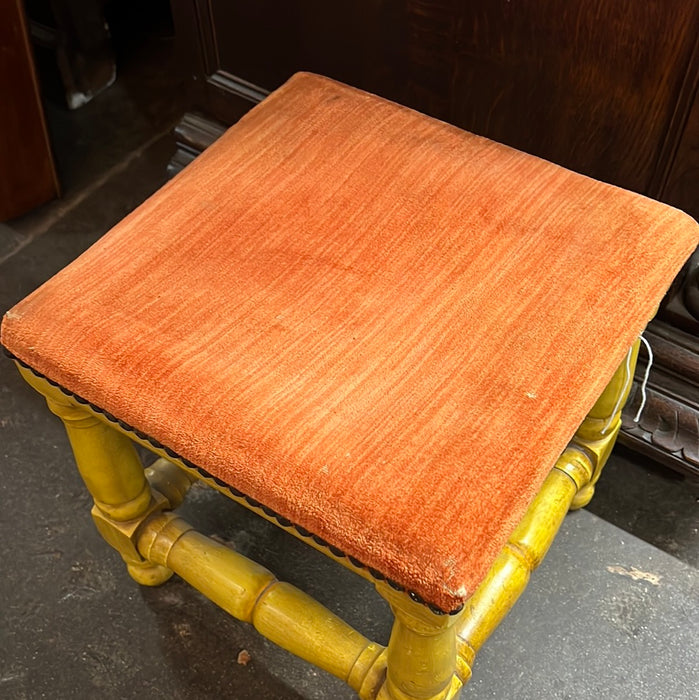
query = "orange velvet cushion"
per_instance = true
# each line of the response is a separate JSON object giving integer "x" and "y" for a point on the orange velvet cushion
{"x": 381, "y": 327}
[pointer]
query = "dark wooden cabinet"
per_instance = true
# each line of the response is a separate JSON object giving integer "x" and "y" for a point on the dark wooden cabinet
{"x": 27, "y": 174}
{"x": 604, "y": 87}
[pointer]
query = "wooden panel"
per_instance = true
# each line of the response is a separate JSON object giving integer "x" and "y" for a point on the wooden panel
{"x": 341, "y": 40}
{"x": 27, "y": 175}
{"x": 681, "y": 186}
{"x": 592, "y": 85}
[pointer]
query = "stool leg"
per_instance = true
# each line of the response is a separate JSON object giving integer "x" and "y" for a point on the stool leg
{"x": 421, "y": 658}
{"x": 524, "y": 551}
{"x": 598, "y": 432}
{"x": 570, "y": 485}
{"x": 113, "y": 474}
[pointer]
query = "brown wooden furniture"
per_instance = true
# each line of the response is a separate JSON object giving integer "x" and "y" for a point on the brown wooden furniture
{"x": 27, "y": 174}
{"x": 607, "y": 89}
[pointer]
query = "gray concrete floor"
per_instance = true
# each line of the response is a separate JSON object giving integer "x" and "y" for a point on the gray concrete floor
{"x": 73, "y": 625}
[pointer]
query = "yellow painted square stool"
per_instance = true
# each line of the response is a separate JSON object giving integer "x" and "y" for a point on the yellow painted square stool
{"x": 405, "y": 344}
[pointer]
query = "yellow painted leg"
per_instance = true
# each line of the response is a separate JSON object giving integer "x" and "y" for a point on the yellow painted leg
{"x": 569, "y": 485}
{"x": 598, "y": 432}
{"x": 113, "y": 474}
{"x": 170, "y": 481}
{"x": 525, "y": 550}
{"x": 421, "y": 658}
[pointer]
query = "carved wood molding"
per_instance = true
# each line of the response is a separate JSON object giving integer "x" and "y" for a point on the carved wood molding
{"x": 668, "y": 428}
{"x": 193, "y": 135}
{"x": 237, "y": 86}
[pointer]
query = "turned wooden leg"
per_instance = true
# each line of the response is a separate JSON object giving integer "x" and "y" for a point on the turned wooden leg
{"x": 525, "y": 550}
{"x": 598, "y": 432}
{"x": 421, "y": 658}
{"x": 569, "y": 485}
{"x": 114, "y": 476}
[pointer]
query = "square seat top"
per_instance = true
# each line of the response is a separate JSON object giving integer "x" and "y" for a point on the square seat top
{"x": 381, "y": 327}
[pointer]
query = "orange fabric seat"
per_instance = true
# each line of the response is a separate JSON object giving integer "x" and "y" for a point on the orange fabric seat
{"x": 381, "y": 327}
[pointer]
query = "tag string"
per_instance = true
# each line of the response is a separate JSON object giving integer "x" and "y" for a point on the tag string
{"x": 644, "y": 383}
